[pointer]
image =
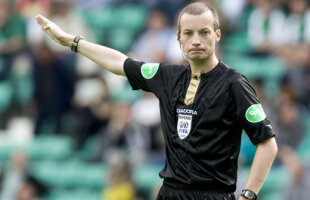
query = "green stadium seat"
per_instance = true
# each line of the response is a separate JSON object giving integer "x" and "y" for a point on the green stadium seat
{"x": 237, "y": 43}
{"x": 266, "y": 68}
{"x": 51, "y": 146}
{"x": 77, "y": 194}
{"x": 146, "y": 176}
{"x": 131, "y": 17}
{"x": 273, "y": 196}
{"x": 95, "y": 175}
{"x": 304, "y": 148}
{"x": 70, "y": 174}
{"x": 125, "y": 94}
{"x": 100, "y": 18}
{"x": 116, "y": 27}
{"x": 90, "y": 148}
{"x": 270, "y": 69}
{"x": 121, "y": 39}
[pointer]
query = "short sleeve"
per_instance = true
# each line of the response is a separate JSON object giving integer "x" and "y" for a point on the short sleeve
{"x": 249, "y": 110}
{"x": 158, "y": 78}
{"x": 142, "y": 75}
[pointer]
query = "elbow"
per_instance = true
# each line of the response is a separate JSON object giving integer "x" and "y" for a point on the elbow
{"x": 271, "y": 146}
{"x": 274, "y": 144}
{"x": 275, "y": 148}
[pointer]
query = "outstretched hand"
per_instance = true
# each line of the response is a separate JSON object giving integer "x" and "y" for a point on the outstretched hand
{"x": 54, "y": 31}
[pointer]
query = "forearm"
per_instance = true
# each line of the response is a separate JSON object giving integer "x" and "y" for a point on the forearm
{"x": 107, "y": 58}
{"x": 264, "y": 156}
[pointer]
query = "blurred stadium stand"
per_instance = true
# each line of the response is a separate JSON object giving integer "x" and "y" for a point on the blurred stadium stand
{"x": 70, "y": 173}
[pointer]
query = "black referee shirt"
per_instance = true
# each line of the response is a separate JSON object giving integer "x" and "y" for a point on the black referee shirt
{"x": 202, "y": 139}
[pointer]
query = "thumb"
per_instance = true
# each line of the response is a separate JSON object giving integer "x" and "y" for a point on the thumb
{"x": 48, "y": 26}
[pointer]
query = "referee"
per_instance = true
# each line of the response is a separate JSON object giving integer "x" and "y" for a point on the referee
{"x": 204, "y": 108}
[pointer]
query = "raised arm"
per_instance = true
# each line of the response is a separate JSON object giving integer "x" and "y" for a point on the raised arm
{"x": 108, "y": 58}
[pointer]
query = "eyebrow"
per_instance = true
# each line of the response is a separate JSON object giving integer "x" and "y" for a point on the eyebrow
{"x": 205, "y": 28}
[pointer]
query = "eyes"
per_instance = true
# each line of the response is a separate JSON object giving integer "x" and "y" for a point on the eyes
{"x": 203, "y": 33}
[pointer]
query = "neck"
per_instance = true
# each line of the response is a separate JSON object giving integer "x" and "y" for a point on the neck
{"x": 203, "y": 66}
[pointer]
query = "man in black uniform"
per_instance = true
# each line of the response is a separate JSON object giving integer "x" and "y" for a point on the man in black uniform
{"x": 204, "y": 108}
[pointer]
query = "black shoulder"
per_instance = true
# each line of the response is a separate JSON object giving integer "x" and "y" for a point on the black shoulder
{"x": 171, "y": 71}
{"x": 173, "y": 67}
{"x": 234, "y": 77}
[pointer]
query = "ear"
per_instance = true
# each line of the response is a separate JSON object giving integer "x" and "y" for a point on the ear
{"x": 179, "y": 42}
{"x": 178, "y": 37}
{"x": 218, "y": 35}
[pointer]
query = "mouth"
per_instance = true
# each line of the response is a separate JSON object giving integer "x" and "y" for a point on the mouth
{"x": 196, "y": 50}
{"x": 193, "y": 52}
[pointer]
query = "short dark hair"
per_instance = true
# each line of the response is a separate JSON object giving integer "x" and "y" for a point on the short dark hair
{"x": 198, "y": 8}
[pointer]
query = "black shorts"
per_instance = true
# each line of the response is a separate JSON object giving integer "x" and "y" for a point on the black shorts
{"x": 168, "y": 193}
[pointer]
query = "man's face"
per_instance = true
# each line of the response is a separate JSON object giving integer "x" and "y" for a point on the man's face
{"x": 197, "y": 36}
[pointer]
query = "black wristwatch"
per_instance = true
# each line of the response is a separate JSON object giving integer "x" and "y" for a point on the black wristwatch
{"x": 248, "y": 194}
{"x": 75, "y": 43}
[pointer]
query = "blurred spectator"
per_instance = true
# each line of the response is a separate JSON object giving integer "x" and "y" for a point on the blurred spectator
{"x": 296, "y": 32}
{"x": 31, "y": 189}
{"x": 297, "y": 76}
{"x": 265, "y": 26}
{"x": 289, "y": 124}
{"x": 64, "y": 14}
{"x": 290, "y": 131}
{"x": 53, "y": 91}
{"x": 171, "y": 7}
{"x": 92, "y": 107}
{"x": 298, "y": 22}
{"x": 90, "y": 4}
{"x": 28, "y": 9}
{"x": 233, "y": 11}
{"x": 152, "y": 44}
{"x": 122, "y": 134}
{"x": 12, "y": 36}
{"x": 14, "y": 176}
{"x": 12, "y": 45}
{"x": 297, "y": 189}
{"x": 173, "y": 51}
{"x": 120, "y": 185}
{"x": 146, "y": 114}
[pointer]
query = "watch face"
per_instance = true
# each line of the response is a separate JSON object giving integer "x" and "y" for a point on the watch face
{"x": 249, "y": 194}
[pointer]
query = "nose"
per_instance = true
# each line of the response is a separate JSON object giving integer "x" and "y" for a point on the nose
{"x": 196, "y": 40}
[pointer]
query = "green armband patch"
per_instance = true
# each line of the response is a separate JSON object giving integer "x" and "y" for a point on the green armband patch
{"x": 148, "y": 70}
{"x": 255, "y": 113}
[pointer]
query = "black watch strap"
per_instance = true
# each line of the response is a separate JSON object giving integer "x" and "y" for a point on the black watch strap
{"x": 248, "y": 194}
{"x": 75, "y": 43}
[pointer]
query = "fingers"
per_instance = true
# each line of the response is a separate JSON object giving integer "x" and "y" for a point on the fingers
{"x": 42, "y": 20}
